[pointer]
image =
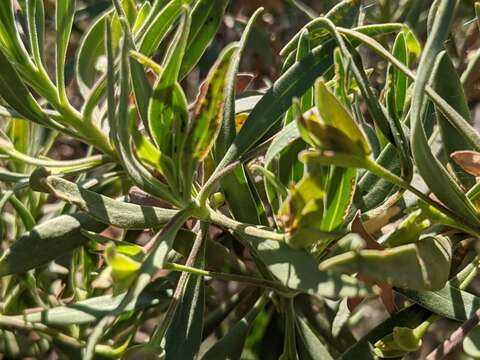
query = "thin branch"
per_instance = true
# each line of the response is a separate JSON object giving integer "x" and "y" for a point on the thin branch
{"x": 455, "y": 338}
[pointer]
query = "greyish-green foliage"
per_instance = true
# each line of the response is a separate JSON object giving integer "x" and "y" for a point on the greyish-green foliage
{"x": 245, "y": 223}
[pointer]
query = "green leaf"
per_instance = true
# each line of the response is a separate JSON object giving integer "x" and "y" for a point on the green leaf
{"x": 398, "y": 81}
{"x": 448, "y": 302}
{"x": 207, "y": 116}
{"x": 184, "y": 334}
{"x": 424, "y": 265}
{"x": 471, "y": 343}
{"x": 239, "y": 195}
{"x": 387, "y": 127}
{"x": 344, "y": 14}
{"x": 119, "y": 121}
{"x": 65, "y": 10}
{"x": 148, "y": 153}
{"x": 48, "y": 241}
{"x": 408, "y": 231}
{"x": 334, "y": 115}
{"x": 23, "y": 212}
{"x": 238, "y": 192}
{"x": 91, "y": 48}
{"x": 231, "y": 345}
{"x": 167, "y": 111}
{"x": 207, "y": 16}
{"x": 90, "y": 310}
{"x": 434, "y": 174}
{"x": 447, "y": 84}
{"x": 413, "y": 44}
{"x": 158, "y": 25}
{"x": 278, "y": 99}
{"x": 143, "y": 13}
{"x": 141, "y": 90}
{"x": 310, "y": 346}
{"x": 209, "y": 108}
{"x": 282, "y": 140}
{"x": 123, "y": 266}
{"x": 314, "y": 157}
{"x": 129, "y": 7}
{"x": 298, "y": 270}
{"x": 228, "y": 130}
{"x": 16, "y": 94}
{"x": 303, "y": 48}
{"x": 341, "y": 186}
{"x": 408, "y": 317}
{"x": 10, "y": 40}
{"x": 36, "y": 29}
{"x": 103, "y": 208}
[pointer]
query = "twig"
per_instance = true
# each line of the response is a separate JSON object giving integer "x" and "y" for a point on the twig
{"x": 455, "y": 338}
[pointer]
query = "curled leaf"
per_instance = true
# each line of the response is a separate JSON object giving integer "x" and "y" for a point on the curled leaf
{"x": 468, "y": 161}
{"x": 333, "y": 113}
{"x": 122, "y": 265}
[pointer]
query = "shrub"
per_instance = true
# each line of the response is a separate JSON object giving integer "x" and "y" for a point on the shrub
{"x": 248, "y": 223}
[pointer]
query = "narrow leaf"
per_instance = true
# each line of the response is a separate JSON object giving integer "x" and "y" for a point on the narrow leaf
{"x": 207, "y": 16}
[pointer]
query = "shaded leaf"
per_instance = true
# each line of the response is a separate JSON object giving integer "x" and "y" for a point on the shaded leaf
{"x": 341, "y": 187}
{"x": 47, "y": 241}
{"x": 471, "y": 343}
{"x": 16, "y": 94}
{"x": 104, "y": 209}
{"x": 298, "y": 270}
{"x": 447, "y": 84}
{"x": 424, "y": 265}
{"x": 230, "y": 346}
{"x": 90, "y": 310}
{"x": 449, "y": 302}
{"x": 310, "y": 346}
{"x": 184, "y": 334}
{"x": 408, "y": 317}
